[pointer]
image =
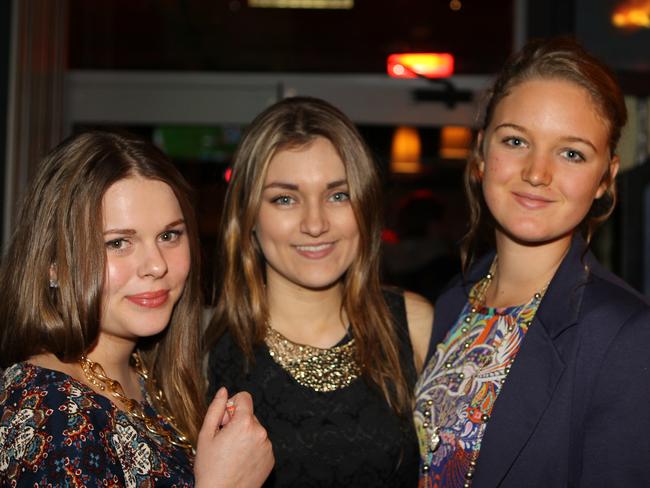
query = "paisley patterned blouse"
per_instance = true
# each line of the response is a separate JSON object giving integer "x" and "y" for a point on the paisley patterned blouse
{"x": 457, "y": 390}
{"x": 54, "y": 430}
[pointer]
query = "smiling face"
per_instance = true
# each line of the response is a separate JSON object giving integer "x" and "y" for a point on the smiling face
{"x": 546, "y": 155}
{"x": 306, "y": 226}
{"x": 147, "y": 257}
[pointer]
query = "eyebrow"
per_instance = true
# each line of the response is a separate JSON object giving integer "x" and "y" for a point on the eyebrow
{"x": 567, "y": 139}
{"x": 130, "y": 232}
{"x": 291, "y": 186}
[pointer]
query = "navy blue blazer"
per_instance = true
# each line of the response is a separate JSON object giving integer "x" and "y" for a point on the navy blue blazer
{"x": 575, "y": 408}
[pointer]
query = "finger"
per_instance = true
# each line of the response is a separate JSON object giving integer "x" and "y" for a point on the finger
{"x": 214, "y": 415}
{"x": 243, "y": 403}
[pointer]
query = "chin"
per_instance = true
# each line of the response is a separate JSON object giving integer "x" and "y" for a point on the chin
{"x": 319, "y": 284}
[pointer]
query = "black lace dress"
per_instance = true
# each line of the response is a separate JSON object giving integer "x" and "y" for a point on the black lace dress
{"x": 346, "y": 437}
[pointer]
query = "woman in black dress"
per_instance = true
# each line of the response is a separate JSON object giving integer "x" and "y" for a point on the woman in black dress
{"x": 301, "y": 321}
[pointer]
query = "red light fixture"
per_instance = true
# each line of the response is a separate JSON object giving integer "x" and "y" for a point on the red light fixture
{"x": 227, "y": 174}
{"x": 414, "y": 65}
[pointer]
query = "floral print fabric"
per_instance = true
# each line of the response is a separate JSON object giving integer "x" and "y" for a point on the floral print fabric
{"x": 56, "y": 431}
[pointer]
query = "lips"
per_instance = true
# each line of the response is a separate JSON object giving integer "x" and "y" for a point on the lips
{"x": 531, "y": 201}
{"x": 315, "y": 251}
{"x": 150, "y": 299}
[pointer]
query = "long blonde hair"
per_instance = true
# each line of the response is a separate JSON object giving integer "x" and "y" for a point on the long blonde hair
{"x": 60, "y": 225}
{"x": 242, "y": 306}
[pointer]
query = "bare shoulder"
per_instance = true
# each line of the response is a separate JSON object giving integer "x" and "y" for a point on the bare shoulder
{"x": 419, "y": 314}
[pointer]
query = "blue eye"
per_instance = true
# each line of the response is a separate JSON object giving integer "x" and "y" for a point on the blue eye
{"x": 340, "y": 196}
{"x": 514, "y": 141}
{"x": 573, "y": 155}
{"x": 283, "y": 200}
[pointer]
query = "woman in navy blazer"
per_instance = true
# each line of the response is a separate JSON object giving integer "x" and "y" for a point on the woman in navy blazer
{"x": 537, "y": 371}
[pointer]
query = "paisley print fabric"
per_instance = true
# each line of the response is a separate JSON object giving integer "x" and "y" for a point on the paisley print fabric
{"x": 55, "y": 431}
{"x": 457, "y": 390}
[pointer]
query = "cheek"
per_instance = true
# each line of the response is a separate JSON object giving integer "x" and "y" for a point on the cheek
{"x": 351, "y": 228}
{"x": 274, "y": 228}
{"x": 180, "y": 261}
{"x": 118, "y": 273}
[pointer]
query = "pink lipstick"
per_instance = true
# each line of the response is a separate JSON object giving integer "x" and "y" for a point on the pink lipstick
{"x": 150, "y": 299}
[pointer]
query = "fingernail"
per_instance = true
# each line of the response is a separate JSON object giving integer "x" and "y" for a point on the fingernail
{"x": 230, "y": 407}
{"x": 221, "y": 392}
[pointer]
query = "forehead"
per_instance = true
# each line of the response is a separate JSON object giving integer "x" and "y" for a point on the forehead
{"x": 318, "y": 158}
{"x": 139, "y": 202}
{"x": 552, "y": 105}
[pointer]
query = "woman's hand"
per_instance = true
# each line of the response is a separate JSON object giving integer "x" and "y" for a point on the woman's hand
{"x": 232, "y": 451}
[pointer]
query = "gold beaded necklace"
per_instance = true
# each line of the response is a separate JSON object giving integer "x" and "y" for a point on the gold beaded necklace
{"x": 320, "y": 369}
{"x": 96, "y": 376}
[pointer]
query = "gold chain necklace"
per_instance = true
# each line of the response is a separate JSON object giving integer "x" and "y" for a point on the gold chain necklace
{"x": 96, "y": 376}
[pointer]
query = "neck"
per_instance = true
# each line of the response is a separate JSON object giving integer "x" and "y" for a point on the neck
{"x": 306, "y": 316}
{"x": 114, "y": 354}
{"x": 522, "y": 270}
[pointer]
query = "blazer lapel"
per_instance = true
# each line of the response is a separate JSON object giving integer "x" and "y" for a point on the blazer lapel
{"x": 535, "y": 373}
{"x": 519, "y": 406}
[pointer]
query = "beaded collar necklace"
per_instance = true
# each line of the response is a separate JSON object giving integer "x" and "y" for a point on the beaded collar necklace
{"x": 319, "y": 369}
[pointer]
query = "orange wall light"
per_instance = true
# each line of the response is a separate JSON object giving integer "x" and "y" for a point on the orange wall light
{"x": 429, "y": 65}
{"x": 632, "y": 15}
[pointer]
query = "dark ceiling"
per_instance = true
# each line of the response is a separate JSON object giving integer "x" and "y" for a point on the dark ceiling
{"x": 227, "y": 35}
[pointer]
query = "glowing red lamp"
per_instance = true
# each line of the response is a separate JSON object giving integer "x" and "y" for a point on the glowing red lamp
{"x": 428, "y": 65}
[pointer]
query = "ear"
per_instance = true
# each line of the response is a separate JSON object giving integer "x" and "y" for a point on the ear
{"x": 54, "y": 277}
{"x": 609, "y": 176}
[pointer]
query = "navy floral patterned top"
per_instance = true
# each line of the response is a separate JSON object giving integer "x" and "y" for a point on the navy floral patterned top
{"x": 54, "y": 430}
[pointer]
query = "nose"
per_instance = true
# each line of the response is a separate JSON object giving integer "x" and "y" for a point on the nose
{"x": 537, "y": 171}
{"x": 314, "y": 219}
{"x": 153, "y": 263}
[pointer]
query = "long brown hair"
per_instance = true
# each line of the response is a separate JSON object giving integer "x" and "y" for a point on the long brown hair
{"x": 242, "y": 306}
{"x": 558, "y": 58}
{"x": 60, "y": 225}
